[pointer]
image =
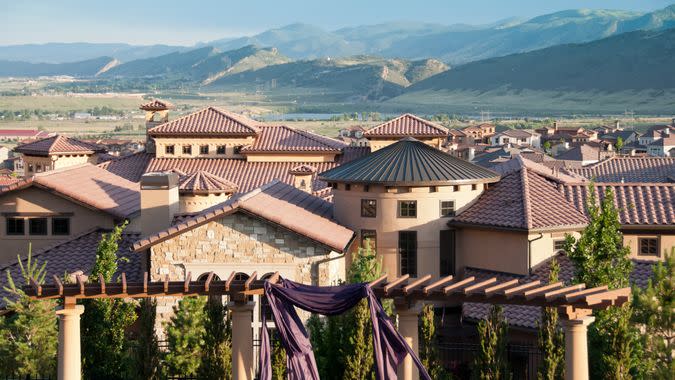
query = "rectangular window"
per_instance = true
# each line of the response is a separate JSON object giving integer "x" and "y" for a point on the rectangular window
{"x": 204, "y": 149}
{"x": 369, "y": 237}
{"x": 187, "y": 149}
{"x": 455, "y": 188}
{"x": 447, "y": 208}
{"x": 169, "y": 149}
{"x": 15, "y": 226}
{"x": 348, "y": 187}
{"x": 474, "y": 186}
{"x": 60, "y": 226}
{"x": 447, "y": 252}
{"x": 649, "y": 246}
{"x": 38, "y": 168}
{"x": 558, "y": 246}
{"x": 407, "y": 209}
{"x": 220, "y": 149}
{"x": 237, "y": 149}
{"x": 37, "y": 226}
{"x": 407, "y": 250}
{"x": 368, "y": 208}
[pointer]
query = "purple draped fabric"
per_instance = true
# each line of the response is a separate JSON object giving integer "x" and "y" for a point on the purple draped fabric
{"x": 389, "y": 346}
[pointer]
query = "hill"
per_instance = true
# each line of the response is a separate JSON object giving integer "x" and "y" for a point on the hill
{"x": 56, "y": 52}
{"x": 639, "y": 63}
{"x": 87, "y": 68}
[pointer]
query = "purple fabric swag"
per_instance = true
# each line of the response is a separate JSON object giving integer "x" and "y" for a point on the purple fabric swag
{"x": 389, "y": 346}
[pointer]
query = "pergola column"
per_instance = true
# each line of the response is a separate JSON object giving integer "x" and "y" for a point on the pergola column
{"x": 69, "y": 358}
{"x": 242, "y": 340}
{"x": 408, "y": 320}
{"x": 576, "y": 346}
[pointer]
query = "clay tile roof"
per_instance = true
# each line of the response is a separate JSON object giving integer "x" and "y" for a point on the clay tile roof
{"x": 89, "y": 185}
{"x": 302, "y": 169}
{"x": 630, "y": 169}
{"x": 286, "y": 139}
{"x": 21, "y": 132}
{"x": 209, "y": 121}
{"x": 409, "y": 162}
{"x": 407, "y": 125}
{"x": 517, "y": 133}
{"x": 275, "y": 202}
{"x": 6, "y": 180}
{"x": 58, "y": 144}
{"x": 522, "y": 161}
{"x": 76, "y": 254}
{"x": 131, "y": 167}
{"x": 156, "y": 105}
{"x": 523, "y": 200}
{"x": 528, "y": 316}
{"x": 203, "y": 182}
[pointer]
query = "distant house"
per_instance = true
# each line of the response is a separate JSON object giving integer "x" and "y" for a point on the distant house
{"x": 627, "y": 137}
{"x": 516, "y": 137}
{"x": 566, "y": 134}
{"x": 480, "y": 133}
{"x": 57, "y": 152}
{"x": 586, "y": 153}
{"x": 663, "y": 147}
{"x": 654, "y": 133}
{"x": 20, "y": 134}
{"x": 353, "y": 136}
{"x": 406, "y": 125}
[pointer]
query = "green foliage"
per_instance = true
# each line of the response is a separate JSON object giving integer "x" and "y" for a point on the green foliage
{"x": 547, "y": 146}
{"x": 601, "y": 259}
{"x": 105, "y": 347}
{"x": 551, "y": 339}
{"x": 365, "y": 266}
{"x": 619, "y": 143}
{"x": 186, "y": 337}
{"x": 491, "y": 360}
{"x": 654, "y": 308}
{"x": 427, "y": 345}
{"x": 217, "y": 351}
{"x": 28, "y": 333}
{"x": 359, "y": 345}
{"x": 278, "y": 360}
{"x": 146, "y": 354}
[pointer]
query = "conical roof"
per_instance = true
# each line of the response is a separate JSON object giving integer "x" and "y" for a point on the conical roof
{"x": 409, "y": 162}
{"x": 203, "y": 182}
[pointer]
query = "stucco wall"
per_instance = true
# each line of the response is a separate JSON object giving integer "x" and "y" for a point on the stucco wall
{"x": 666, "y": 244}
{"x": 377, "y": 143}
{"x": 503, "y": 251}
{"x": 189, "y": 203}
{"x": 195, "y": 143}
{"x": 387, "y": 224}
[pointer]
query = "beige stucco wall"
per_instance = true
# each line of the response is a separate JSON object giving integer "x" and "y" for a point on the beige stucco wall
{"x": 195, "y": 143}
{"x": 387, "y": 224}
{"x": 190, "y": 203}
{"x": 504, "y": 251}
{"x": 55, "y": 162}
{"x": 35, "y": 200}
{"x": 542, "y": 244}
{"x": 376, "y": 143}
{"x": 666, "y": 244}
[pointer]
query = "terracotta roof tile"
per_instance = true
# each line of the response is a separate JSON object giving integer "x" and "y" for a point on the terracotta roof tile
{"x": 209, "y": 121}
{"x": 156, "y": 105}
{"x": 303, "y": 169}
{"x": 76, "y": 254}
{"x": 203, "y": 182}
{"x": 630, "y": 169}
{"x": 131, "y": 167}
{"x": 278, "y": 203}
{"x": 581, "y": 152}
{"x": 407, "y": 125}
{"x": 286, "y": 139}
{"x": 58, "y": 144}
{"x": 6, "y": 180}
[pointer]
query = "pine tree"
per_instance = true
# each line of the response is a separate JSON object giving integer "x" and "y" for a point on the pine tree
{"x": 146, "y": 352}
{"x": 278, "y": 359}
{"x": 217, "y": 351}
{"x": 551, "y": 339}
{"x": 427, "y": 344}
{"x": 491, "y": 361}
{"x": 105, "y": 346}
{"x": 28, "y": 332}
{"x": 185, "y": 334}
{"x": 600, "y": 258}
{"x": 654, "y": 309}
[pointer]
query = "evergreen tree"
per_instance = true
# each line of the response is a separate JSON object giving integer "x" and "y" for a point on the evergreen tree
{"x": 601, "y": 259}
{"x": 427, "y": 344}
{"x": 185, "y": 333}
{"x": 491, "y": 361}
{"x": 28, "y": 332}
{"x": 619, "y": 143}
{"x": 654, "y": 309}
{"x": 278, "y": 359}
{"x": 551, "y": 339}
{"x": 146, "y": 353}
{"x": 105, "y": 346}
{"x": 217, "y": 351}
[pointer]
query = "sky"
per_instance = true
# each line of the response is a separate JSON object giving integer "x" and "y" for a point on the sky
{"x": 189, "y": 21}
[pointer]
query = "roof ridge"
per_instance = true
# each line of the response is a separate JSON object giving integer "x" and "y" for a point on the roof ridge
{"x": 314, "y": 137}
{"x": 527, "y": 209}
{"x": 222, "y": 112}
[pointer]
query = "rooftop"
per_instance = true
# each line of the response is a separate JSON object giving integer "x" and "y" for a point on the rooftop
{"x": 156, "y": 105}
{"x": 211, "y": 122}
{"x": 409, "y": 162}
{"x": 630, "y": 169}
{"x": 203, "y": 182}
{"x": 58, "y": 144}
{"x": 407, "y": 125}
{"x": 286, "y": 139}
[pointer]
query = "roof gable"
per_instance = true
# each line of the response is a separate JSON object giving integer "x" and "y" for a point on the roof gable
{"x": 58, "y": 144}
{"x": 209, "y": 121}
{"x": 407, "y": 125}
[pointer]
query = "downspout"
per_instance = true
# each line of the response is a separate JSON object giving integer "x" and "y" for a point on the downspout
{"x": 529, "y": 252}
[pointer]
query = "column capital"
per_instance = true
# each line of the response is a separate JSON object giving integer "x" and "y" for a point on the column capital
{"x": 70, "y": 310}
{"x": 406, "y": 308}
{"x": 578, "y": 322}
{"x": 240, "y": 306}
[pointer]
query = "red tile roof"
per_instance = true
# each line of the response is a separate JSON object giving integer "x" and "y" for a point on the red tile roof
{"x": 22, "y": 132}
{"x": 76, "y": 254}
{"x": 286, "y": 139}
{"x": 203, "y": 182}
{"x": 58, "y": 144}
{"x": 581, "y": 152}
{"x": 211, "y": 122}
{"x": 156, "y": 105}
{"x": 131, "y": 167}
{"x": 278, "y": 203}
{"x": 407, "y": 125}
{"x": 303, "y": 169}
{"x": 89, "y": 185}
{"x": 6, "y": 180}
{"x": 630, "y": 169}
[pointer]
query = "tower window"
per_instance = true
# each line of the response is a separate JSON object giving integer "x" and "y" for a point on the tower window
{"x": 407, "y": 209}
{"x": 368, "y": 208}
{"x": 220, "y": 149}
{"x": 169, "y": 149}
{"x": 187, "y": 149}
{"x": 407, "y": 250}
{"x": 204, "y": 149}
{"x": 447, "y": 208}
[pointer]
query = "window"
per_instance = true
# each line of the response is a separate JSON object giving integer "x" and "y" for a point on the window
{"x": 649, "y": 246}
{"x": 368, "y": 208}
{"x": 407, "y": 209}
{"x": 187, "y": 149}
{"x": 15, "y": 226}
{"x": 204, "y": 149}
{"x": 455, "y": 188}
{"x": 447, "y": 208}
{"x": 60, "y": 226}
{"x": 237, "y": 149}
{"x": 369, "y": 237}
{"x": 474, "y": 186}
{"x": 447, "y": 252}
{"x": 407, "y": 250}
{"x": 169, "y": 149}
{"x": 348, "y": 187}
{"x": 38, "y": 168}
{"x": 558, "y": 246}
{"x": 30, "y": 168}
{"x": 37, "y": 226}
{"x": 220, "y": 149}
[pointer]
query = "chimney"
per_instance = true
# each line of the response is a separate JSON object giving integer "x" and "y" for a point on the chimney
{"x": 471, "y": 154}
{"x": 672, "y": 122}
{"x": 617, "y": 125}
{"x": 555, "y": 125}
{"x": 159, "y": 201}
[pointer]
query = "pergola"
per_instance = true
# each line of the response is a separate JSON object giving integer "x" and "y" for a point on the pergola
{"x": 575, "y": 304}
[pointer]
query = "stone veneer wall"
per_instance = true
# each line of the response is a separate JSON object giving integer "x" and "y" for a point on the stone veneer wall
{"x": 241, "y": 243}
